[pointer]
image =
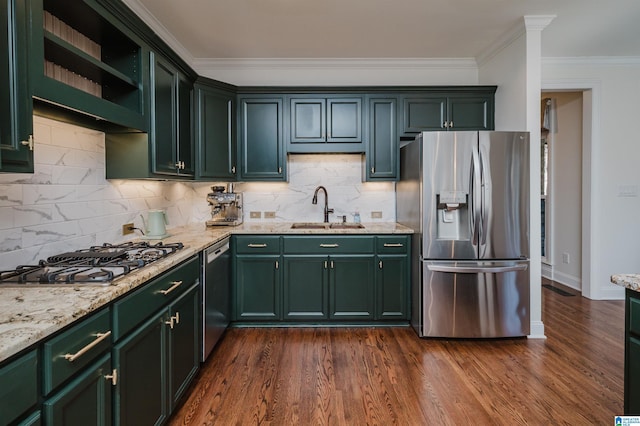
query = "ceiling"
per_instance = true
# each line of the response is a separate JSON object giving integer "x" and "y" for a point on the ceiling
{"x": 296, "y": 29}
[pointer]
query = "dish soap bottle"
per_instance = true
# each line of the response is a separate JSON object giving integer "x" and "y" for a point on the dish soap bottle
{"x": 356, "y": 216}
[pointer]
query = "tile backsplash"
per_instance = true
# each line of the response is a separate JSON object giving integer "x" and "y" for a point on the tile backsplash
{"x": 68, "y": 204}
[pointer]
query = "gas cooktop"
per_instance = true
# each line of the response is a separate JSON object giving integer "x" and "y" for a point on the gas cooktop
{"x": 95, "y": 265}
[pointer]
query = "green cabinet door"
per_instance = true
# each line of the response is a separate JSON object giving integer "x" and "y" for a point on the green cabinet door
{"x": 170, "y": 134}
{"x": 382, "y": 156}
{"x": 392, "y": 287}
{"x": 424, "y": 113}
{"x": 18, "y": 387}
{"x": 632, "y": 377}
{"x": 325, "y": 124}
{"x": 258, "y": 288}
{"x": 16, "y": 120}
{"x": 215, "y": 137}
{"x": 351, "y": 287}
{"x": 84, "y": 401}
{"x": 184, "y": 342}
{"x": 261, "y": 148}
{"x": 306, "y": 287}
{"x": 140, "y": 396}
{"x": 470, "y": 112}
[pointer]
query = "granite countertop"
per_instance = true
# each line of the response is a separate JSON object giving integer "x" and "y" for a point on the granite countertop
{"x": 630, "y": 281}
{"x": 29, "y": 314}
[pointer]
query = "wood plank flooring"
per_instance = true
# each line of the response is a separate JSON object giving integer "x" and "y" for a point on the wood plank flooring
{"x": 388, "y": 376}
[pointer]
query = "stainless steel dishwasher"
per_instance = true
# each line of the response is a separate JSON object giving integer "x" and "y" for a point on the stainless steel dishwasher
{"x": 216, "y": 294}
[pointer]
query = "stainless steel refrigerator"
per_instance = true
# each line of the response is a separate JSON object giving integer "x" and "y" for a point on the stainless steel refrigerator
{"x": 466, "y": 194}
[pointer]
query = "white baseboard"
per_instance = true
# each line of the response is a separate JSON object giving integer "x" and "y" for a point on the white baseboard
{"x": 537, "y": 330}
{"x": 547, "y": 271}
{"x": 568, "y": 280}
{"x": 610, "y": 292}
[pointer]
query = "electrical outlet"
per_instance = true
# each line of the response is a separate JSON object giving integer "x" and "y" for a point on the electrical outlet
{"x": 127, "y": 229}
{"x": 376, "y": 215}
{"x": 565, "y": 258}
{"x": 269, "y": 215}
{"x": 255, "y": 215}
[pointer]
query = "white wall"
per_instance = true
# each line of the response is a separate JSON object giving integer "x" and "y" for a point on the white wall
{"x": 565, "y": 188}
{"x": 614, "y": 157}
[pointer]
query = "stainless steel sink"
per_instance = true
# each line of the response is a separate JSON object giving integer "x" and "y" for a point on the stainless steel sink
{"x": 346, "y": 226}
{"x": 315, "y": 225}
{"x": 310, "y": 225}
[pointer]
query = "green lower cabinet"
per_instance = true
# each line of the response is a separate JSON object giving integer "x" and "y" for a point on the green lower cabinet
{"x": 184, "y": 342}
{"x": 632, "y": 400}
{"x": 306, "y": 285}
{"x": 86, "y": 400}
{"x": 258, "y": 285}
{"x": 392, "y": 284}
{"x": 18, "y": 387}
{"x": 140, "y": 359}
{"x": 351, "y": 285}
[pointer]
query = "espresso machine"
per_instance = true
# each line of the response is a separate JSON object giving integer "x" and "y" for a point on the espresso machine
{"x": 226, "y": 206}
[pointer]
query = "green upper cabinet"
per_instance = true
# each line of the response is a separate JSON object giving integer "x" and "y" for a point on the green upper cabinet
{"x": 215, "y": 133}
{"x": 325, "y": 124}
{"x": 382, "y": 156}
{"x": 16, "y": 122}
{"x": 85, "y": 59}
{"x": 261, "y": 147}
{"x": 170, "y": 134}
{"x": 451, "y": 109}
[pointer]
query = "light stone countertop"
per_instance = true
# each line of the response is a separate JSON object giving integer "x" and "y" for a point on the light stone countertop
{"x": 630, "y": 281}
{"x": 29, "y": 314}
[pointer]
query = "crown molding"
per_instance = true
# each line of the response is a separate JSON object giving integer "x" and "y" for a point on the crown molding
{"x": 528, "y": 23}
{"x": 592, "y": 60}
{"x": 201, "y": 65}
{"x": 160, "y": 30}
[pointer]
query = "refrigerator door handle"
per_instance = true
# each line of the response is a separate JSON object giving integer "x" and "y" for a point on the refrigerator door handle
{"x": 476, "y": 189}
{"x": 485, "y": 186}
{"x": 477, "y": 269}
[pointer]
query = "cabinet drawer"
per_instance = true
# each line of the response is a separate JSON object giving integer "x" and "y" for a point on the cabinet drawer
{"x": 392, "y": 244}
{"x": 328, "y": 244}
{"x": 257, "y": 244}
{"x": 71, "y": 351}
{"x": 136, "y": 307}
{"x": 634, "y": 316}
{"x": 18, "y": 387}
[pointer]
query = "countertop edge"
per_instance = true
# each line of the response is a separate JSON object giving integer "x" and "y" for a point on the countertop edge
{"x": 630, "y": 281}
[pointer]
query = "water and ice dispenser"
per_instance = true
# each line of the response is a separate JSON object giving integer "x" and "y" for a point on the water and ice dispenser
{"x": 452, "y": 215}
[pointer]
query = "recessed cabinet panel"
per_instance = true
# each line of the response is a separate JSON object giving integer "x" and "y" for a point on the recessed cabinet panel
{"x": 308, "y": 121}
{"x": 469, "y": 113}
{"x": 382, "y": 160}
{"x": 306, "y": 287}
{"x": 424, "y": 114}
{"x": 164, "y": 121}
{"x": 215, "y": 134}
{"x": 261, "y": 144}
{"x": 16, "y": 120}
{"x": 344, "y": 120}
{"x": 19, "y": 390}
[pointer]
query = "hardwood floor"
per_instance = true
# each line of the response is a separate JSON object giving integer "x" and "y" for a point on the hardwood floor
{"x": 385, "y": 376}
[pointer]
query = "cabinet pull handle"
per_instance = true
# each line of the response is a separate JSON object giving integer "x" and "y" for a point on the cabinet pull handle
{"x": 277, "y": 265}
{"x": 393, "y": 245}
{"x": 329, "y": 245}
{"x": 373, "y": 170}
{"x": 325, "y": 264}
{"x": 233, "y": 169}
{"x": 253, "y": 245}
{"x": 279, "y": 169}
{"x": 175, "y": 284}
{"x": 99, "y": 338}
{"x": 113, "y": 377}
{"x": 173, "y": 320}
{"x": 331, "y": 264}
{"x": 451, "y": 124}
{"x": 28, "y": 142}
{"x": 380, "y": 264}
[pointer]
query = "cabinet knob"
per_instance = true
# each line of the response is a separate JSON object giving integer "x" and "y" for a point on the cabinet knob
{"x": 279, "y": 169}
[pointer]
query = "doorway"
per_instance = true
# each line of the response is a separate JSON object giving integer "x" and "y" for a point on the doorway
{"x": 562, "y": 142}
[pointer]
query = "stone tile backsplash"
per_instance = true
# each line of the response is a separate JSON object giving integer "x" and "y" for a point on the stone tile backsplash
{"x": 68, "y": 204}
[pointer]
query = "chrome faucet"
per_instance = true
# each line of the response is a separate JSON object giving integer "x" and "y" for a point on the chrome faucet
{"x": 327, "y": 210}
